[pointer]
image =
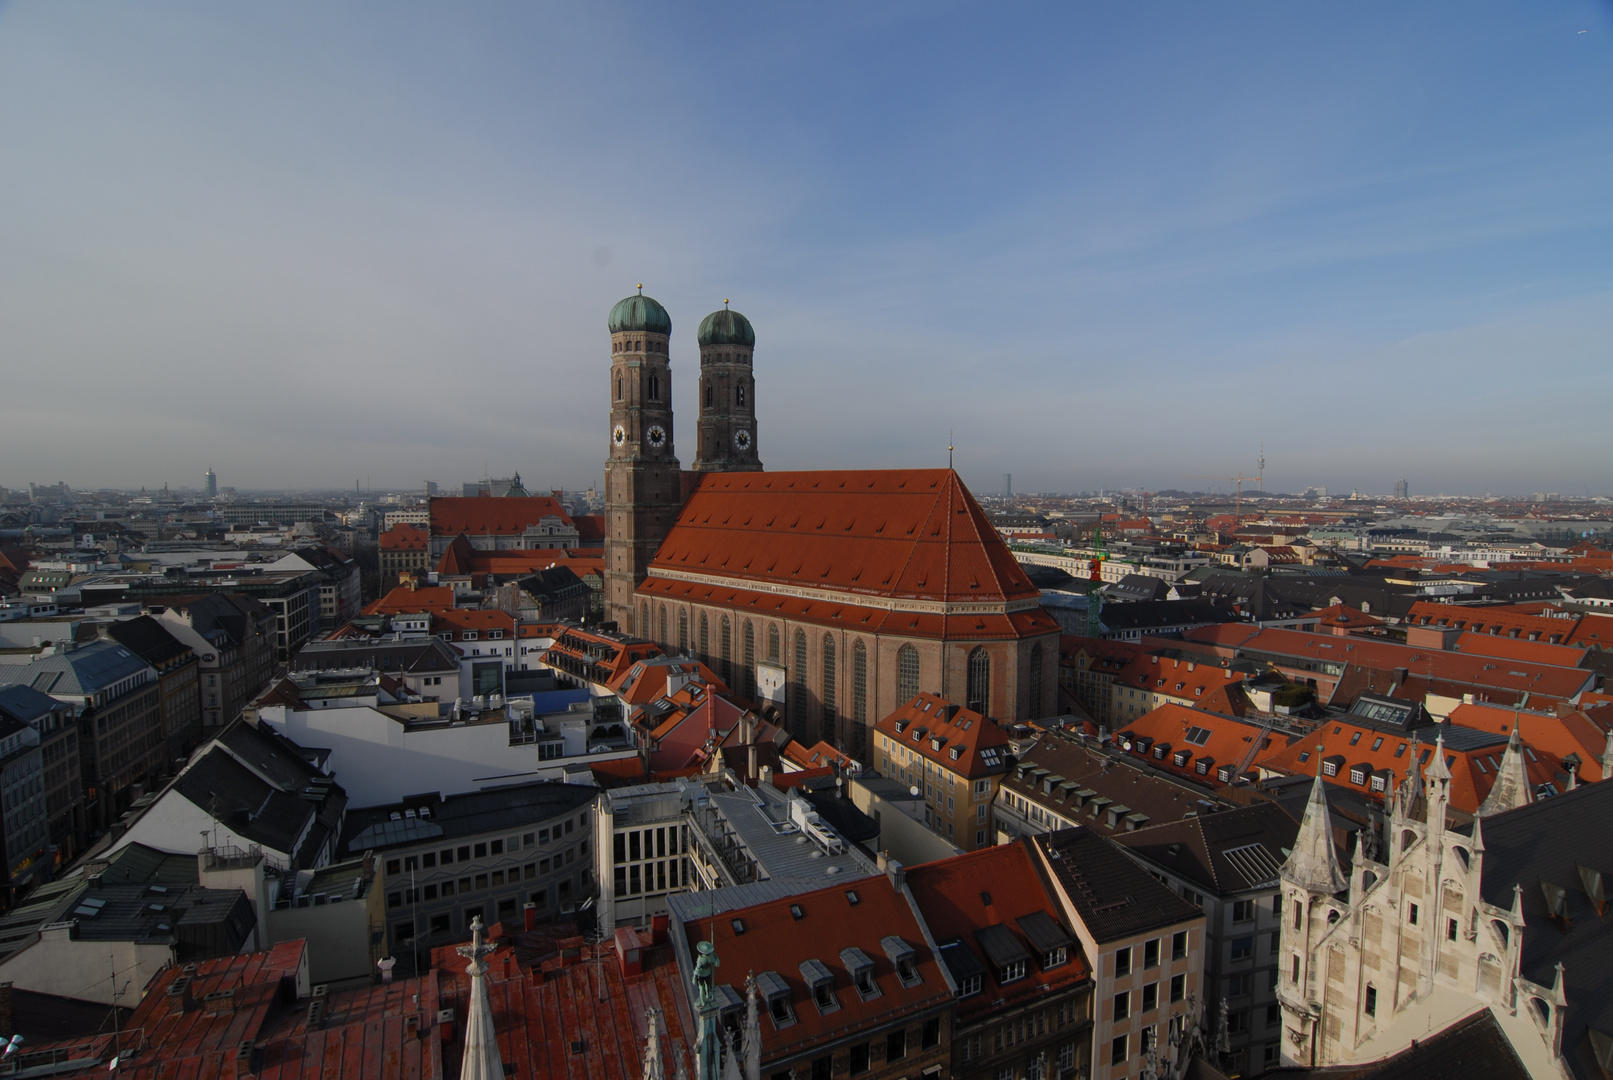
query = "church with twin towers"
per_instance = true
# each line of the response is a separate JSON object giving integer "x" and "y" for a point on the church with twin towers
{"x": 865, "y": 587}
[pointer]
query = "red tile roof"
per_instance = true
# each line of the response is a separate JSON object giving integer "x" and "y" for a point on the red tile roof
{"x": 482, "y": 515}
{"x": 1434, "y": 665}
{"x": 1344, "y": 617}
{"x": 902, "y": 533}
{"x": 774, "y": 940}
{"x": 1560, "y": 735}
{"x": 1175, "y": 678}
{"x": 982, "y": 626}
{"x": 1473, "y": 772}
{"x": 1582, "y": 630}
{"x": 362, "y": 1033}
{"x": 1196, "y": 744}
{"x": 948, "y": 735}
{"x": 404, "y": 599}
{"x": 995, "y": 886}
{"x": 405, "y": 537}
{"x": 1535, "y": 652}
{"x": 542, "y": 1012}
{"x": 590, "y": 529}
{"x": 459, "y": 620}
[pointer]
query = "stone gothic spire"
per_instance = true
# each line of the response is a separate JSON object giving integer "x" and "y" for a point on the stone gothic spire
{"x": 1511, "y": 789}
{"x": 753, "y": 1032}
{"x": 481, "y": 1060}
{"x": 654, "y": 1068}
{"x": 1314, "y": 864}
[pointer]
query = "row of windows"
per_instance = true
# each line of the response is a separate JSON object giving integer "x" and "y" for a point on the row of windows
{"x": 1147, "y": 998}
{"x": 896, "y": 1045}
{"x": 632, "y": 845}
{"x": 494, "y": 879}
{"x": 484, "y": 849}
{"x": 653, "y": 877}
{"x": 442, "y": 923}
{"x": 638, "y": 346}
{"x": 1149, "y": 954}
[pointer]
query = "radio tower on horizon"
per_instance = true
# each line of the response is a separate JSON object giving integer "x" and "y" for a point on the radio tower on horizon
{"x": 1261, "y": 462}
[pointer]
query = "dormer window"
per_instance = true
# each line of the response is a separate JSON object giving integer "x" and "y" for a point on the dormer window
{"x": 1004, "y": 952}
{"x": 902, "y": 958}
{"x": 468, "y": 635}
{"x": 776, "y": 992}
{"x": 861, "y": 969}
{"x": 820, "y": 981}
{"x": 493, "y": 635}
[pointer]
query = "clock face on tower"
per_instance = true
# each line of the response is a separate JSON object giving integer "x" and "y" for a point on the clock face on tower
{"x": 742, "y": 439}
{"x": 657, "y": 436}
{"x": 619, "y": 436}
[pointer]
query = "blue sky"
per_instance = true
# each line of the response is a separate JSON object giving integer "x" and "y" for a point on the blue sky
{"x": 1108, "y": 245}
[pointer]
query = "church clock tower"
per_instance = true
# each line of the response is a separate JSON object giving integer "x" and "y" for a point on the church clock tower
{"x": 727, "y": 394}
{"x": 643, "y": 485}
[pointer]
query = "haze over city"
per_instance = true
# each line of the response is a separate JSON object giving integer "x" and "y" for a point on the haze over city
{"x": 1105, "y": 246}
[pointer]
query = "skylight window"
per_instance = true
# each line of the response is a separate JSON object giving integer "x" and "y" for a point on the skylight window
{"x": 1197, "y": 736}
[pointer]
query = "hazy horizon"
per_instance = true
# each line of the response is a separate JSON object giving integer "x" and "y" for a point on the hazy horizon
{"x": 1107, "y": 247}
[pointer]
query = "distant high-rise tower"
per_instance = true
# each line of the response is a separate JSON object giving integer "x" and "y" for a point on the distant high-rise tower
{"x": 1008, "y": 485}
{"x": 210, "y": 483}
{"x": 727, "y": 424}
{"x": 1400, "y": 489}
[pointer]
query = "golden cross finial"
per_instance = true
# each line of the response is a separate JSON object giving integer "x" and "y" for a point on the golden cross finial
{"x": 641, "y": 288}
{"x": 725, "y": 301}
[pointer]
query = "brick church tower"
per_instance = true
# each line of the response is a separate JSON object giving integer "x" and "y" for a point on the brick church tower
{"x": 727, "y": 428}
{"x": 643, "y": 482}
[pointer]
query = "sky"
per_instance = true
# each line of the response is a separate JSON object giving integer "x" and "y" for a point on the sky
{"x": 1102, "y": 245}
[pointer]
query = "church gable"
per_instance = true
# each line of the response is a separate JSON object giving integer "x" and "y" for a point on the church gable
{"x": 913, "y": 534}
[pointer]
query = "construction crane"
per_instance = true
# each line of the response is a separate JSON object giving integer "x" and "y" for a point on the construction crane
{"x": 1237, "y": 511}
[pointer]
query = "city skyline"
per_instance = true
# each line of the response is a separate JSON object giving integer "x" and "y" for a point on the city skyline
{"x": 1107, "y": 248}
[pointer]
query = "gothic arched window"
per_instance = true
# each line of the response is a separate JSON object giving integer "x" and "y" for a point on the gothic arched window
{"x": 907, "y": 675}
{"x": 655, "y": 388}
{"x": 683, "y": 631}
{"x": 798, "y": 683}
{"x": 772, "y": 643}
{"x": 618, "y": 389}
{"x": 1035, "y": 704}
{"x": 644, "y": 620}
{"x": 661, "y": 613}
{"x": 705, "y": 640}
{"x": 859, "y": 683}
{"x": 828, "y": 665}
{"x": 748, "y": 676}
{"x": 726, "y": 640}
{"x": 708, "y": 395}
{"x": 980, "y": 679}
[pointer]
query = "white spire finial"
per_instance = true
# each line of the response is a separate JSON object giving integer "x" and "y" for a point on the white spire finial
{"x": 481, "y": 1060}
{"x": 654, "y": 1069}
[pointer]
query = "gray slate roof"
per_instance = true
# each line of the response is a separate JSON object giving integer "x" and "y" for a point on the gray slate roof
{"x": 1114, "y": 896}
{"x": 1547, "y": 842}
{"x": 81, "y": 671}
